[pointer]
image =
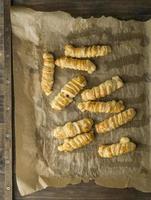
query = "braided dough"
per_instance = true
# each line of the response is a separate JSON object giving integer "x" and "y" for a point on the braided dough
{"x": 68, "y": 92}
{"x": 102, "y": 90}
{"x": 47, "y": 78}
{"x": 83, "y": 52}
{"x": 76, "y": 142}
{"x": 101, "y": 107}
{"x": 76, "y": 64}
{"x": 71, "y": 129}
{"x": 115, "y": 121}
{"x": 124, "y": 146}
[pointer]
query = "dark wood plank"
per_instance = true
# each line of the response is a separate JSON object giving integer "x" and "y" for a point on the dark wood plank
{"x": 86, "y": 192}
{"x": 1, "y": 186}
{"x": 5, "y": 102}
{"x": 1, "y": 102}
{"x": 131, "y": 9}
{"x": 7, "y": 85}
{"x": 141, "y": 10}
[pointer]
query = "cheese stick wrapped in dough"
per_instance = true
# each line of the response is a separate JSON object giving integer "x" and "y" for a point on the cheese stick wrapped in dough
{"x": 123, "y": 147}
{"x": 115, "y": 121}
{"x": 76, "y": 64}
{"x": 102, "y": 90}
{"x": 68, "y": 92}
{"x": 76, "y": 142}
{"x": 47, "y": 78}
{"x": 101, "y": 107}
{"x": 71, "y": 129}
{"x": 87, "y": 52}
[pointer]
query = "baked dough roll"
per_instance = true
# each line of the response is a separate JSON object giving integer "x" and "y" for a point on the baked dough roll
{"x": 68, "y": 92}
{"x": 71, "y": 129}
{"x": 60, "y": 101}
{"x": 123, "y": 147}
{"x": 87, "y": 52}
{"x": 76, "y": 142}
{"x": 47, "y": 78}
{"x": 73, "y": 87}
{"x": 115, "y": 121}
{"x": 76, "y": 64}
{"x": 102, "y": 90}
{"x": 101, "y": 107}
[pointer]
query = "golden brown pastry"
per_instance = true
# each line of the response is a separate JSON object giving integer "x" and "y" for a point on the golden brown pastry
{"x": 101, "y": 107}
{"x": 73, "y": 87}
{"x": 115, "y": 121}
{"x": 60, "y": 101}
{"x": 68, "y": 92}
{"x": 87, "y": 52}
{"x": 47, "y": 78}
{"x": 71, "y": 129}
{"x": 76, "y": 64}
{"x": 102, "y": 90}
{"x": 124, "y": 146}
{"x": 76, "y": 142}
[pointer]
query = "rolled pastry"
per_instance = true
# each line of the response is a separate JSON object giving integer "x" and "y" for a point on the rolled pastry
{"x": 123, "y": 147}
{"x": 76, "y": 64}
{"x": 73, "y": 87}
{"x": 68, "y": 92}
{"x": 76, "y": 142}
{"x": 71, "y": 129}
{"x": 102, "y": 90}
{"x": 101, "y": 107}
{"x": 87, "y": 52}
{"x": 47, "y": 78}
{"x": 115, "y": 121}
{"x": 60, "y": 101}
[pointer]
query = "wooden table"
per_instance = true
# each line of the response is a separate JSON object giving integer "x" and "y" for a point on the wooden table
{"x": 122, "y": 9}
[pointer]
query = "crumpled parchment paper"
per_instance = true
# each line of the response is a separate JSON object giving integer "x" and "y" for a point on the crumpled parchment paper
{"x": 38, "y": 163}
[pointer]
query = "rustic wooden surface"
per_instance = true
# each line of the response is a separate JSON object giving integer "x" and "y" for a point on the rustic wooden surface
{"x": 5, "y": 102}
{"x": 1, "y": 102}
{"x": 122, "y": 9}
{"x": 86, "y": 192}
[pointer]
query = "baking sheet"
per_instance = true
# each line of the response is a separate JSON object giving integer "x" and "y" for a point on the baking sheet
{"x": 38, "y": 163}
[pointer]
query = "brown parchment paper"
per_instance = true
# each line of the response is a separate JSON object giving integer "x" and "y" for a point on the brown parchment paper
{"x": 38, "y": 163}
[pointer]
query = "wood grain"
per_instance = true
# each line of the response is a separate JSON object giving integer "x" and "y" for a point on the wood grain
{"x": 131, "y": 9}
{"x": 5, "y": 102}
{"x": 7, "y": 86}
{"x": 1, "y": 185}
{"x": 1, "y": 102}
{"x": 86, "y": 192}
{"x": 122, "y": 9}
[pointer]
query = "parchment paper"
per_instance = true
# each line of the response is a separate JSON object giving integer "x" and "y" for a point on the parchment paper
{"x": 38, "y": 163}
